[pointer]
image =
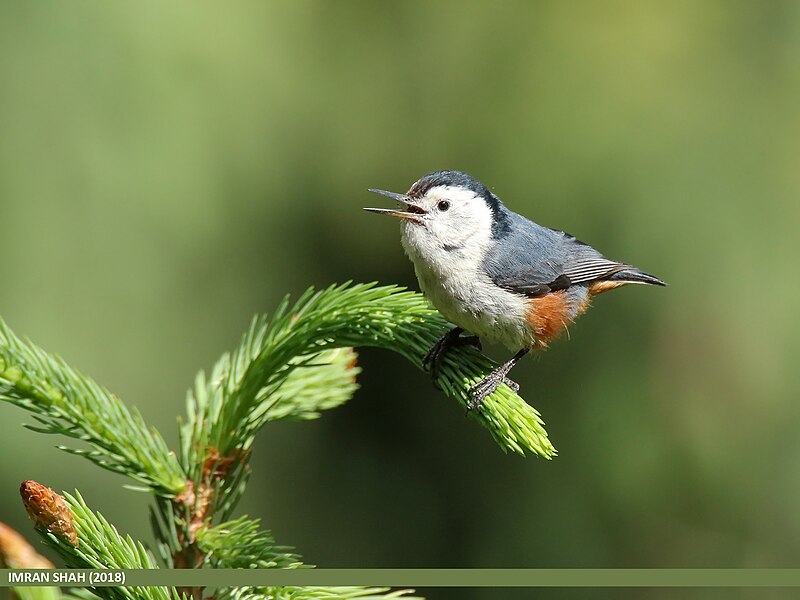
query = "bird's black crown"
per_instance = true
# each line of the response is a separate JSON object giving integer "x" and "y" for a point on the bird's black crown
{"x": 448, "y": 178}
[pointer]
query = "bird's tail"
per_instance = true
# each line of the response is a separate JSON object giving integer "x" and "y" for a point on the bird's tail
{"x": 633, "y": 275}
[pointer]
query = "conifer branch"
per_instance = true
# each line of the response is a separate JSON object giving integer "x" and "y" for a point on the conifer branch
{"x": 97, "y": 544}
{"x": 289, "y": 365}
{"x": 319, "y": 382}
{"x": 240, "y": 544}
{"x": 227, "y": 409}
{"x": 68, "y": 403}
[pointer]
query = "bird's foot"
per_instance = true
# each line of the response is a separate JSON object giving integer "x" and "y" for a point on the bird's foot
{"x": 486, "y": 386}
{"x": 478, "y": 392}
{"x": 433, "y": 359}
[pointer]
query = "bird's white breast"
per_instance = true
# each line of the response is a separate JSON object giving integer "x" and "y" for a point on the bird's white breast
{"x": 455, "y": 282}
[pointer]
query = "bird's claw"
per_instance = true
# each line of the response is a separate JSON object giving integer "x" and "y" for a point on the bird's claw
{"x": 486, "y": 386}
{"x": 471, "y": 340}
{"x": 433, "y": 359}
{"x": 513, "y": 385}
{"x": 433, "y": 355}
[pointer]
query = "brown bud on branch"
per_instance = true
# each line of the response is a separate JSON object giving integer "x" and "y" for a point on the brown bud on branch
{"x": 48, "y": 511}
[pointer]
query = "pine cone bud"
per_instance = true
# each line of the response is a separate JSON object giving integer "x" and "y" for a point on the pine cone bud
{"x": 48, "y": 511}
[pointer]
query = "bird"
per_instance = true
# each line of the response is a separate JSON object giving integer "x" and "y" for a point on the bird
{"x": 495, "y": 274}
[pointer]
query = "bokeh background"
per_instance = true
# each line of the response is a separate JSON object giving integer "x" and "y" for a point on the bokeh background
{"x": 168, "y": 169}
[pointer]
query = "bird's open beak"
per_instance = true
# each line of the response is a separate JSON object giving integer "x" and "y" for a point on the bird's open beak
{"x": 413, "y": 210}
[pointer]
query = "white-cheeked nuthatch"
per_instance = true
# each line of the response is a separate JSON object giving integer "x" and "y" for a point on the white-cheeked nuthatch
{"x": 495, "y": 274}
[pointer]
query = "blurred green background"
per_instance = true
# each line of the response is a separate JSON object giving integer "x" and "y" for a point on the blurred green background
{"x": 168, "y": 169}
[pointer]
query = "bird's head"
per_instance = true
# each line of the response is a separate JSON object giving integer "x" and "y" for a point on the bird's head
{"x": 446, "y": 209}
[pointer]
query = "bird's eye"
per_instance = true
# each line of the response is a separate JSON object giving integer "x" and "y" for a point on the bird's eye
{"x": 443, "y": 205}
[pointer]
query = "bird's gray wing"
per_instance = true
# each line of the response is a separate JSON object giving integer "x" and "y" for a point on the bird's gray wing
{"x": 533, "y": 260}
{"x": 591, "y": 267}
